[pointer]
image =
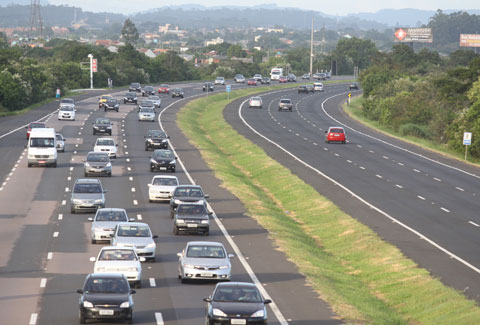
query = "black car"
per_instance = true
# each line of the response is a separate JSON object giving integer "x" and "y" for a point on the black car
{"x": 302, "y": 89}
{"x": 236, "y": 303}
{"x": 208, "y": 86}
{"x": 156, "y": 139}
{"x": 178, "y": 92}
{"x": 148, "y": 90}
{"x": 191, "y": 217}
{"x": 130, "y": 98}
{"x": 135, "y": 86}
{"x": 111, "y": 104}
{"x": 265, "y": 81}
{"x": 102, "y": 125}
{"x": 163, "y": 158}
{"x": 310, "y": 88}
{"x": 187, "y": 194}
{"x": 291, "y": 77}
{"x": 353, "y": 86}
{"x": 106, "y": 296}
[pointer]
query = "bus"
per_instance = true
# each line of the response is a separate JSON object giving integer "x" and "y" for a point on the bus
{"x": 276, "y": 73}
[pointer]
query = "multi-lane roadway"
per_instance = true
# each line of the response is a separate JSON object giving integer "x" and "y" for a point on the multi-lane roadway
{"x": 45, "y": 250}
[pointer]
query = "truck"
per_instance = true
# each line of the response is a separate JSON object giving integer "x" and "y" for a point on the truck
{"x": 42, "y": 147}
{"x": 276, "y": 73}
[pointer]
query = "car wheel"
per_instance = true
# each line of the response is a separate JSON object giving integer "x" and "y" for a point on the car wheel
{"x": 173, "y": 170}
{"x": 94, "y": 133}
{"x": 54, "y": 165}
{"x": 109, "y": 174}
{"x": 146, "y": 148}
{"x": 29, "y": 165}
{"x": 81, "y": 318}
{"x": 175, "y": 230}
{"x": 206, "y": 233}
{"x": 138, "y": 285}
{"x": 344, "y": 142}
{"x": 94, "y": 241}
{"x": 183, "y": 280}
{"x": 105, "y": 110}
{"x": 130, "y": 320}
{"x": 291, "y": 110}
{"x": 85, "y": 174}
{"x": 152, "y": 260}
{"x": 117, "y": 109}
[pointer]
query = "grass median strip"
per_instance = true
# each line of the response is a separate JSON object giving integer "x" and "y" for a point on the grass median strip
{"x": 365, "y": 279}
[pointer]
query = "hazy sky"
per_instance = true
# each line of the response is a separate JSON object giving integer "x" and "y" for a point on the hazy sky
{"x": 340, "y": 7}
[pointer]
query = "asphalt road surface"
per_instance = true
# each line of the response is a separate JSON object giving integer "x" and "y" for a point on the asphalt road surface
{"x": 423, "y": 203}
{"x": 45, "y": 250}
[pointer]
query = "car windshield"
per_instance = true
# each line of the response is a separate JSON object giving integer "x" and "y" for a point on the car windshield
{"x": 256, "y": 98}
{"x": 105, "y": 142}
{"x": 147, "y": 110}
{"x": 163, "y": 154}
{"x": 67, "y": 101}
{"x": 87, "y": 188}
{"x": 149, "y": 88}
{"x": 133, "y": 231}
{"x": 178, "y": 90}
{"x": 147, "y": 103}
{"x": 154, "y": 98}
{"x": 67, "y": 108}
{"x": 111, "y": 102}
{"x": 276, "y": 72}
{"x": 102, "y": 121}
{"x": 117, "y": 255}
{"x": 163, "y": 86}
{"x": 191, "y": 192}
{"x": 136, "y": 85}
{"x": 97, "y": 157}
{"x": 106, "y": 285}
{"x": 36, "y": 125}
{"x": 165, "y": 181}
{"x": 59, "y": 137}
{"x": 156, "y": 134}
{"x": 42, "y": 142}
{"x": 237, "y": 294}
{"x": 205, "y": 251}
{"x": 130, "y": 95}
{"x": 285, "y": 101}
{"x": 115, "y": 215}
{"x": 336, "y": 130}
{"x": 106, "y": 97}
{"x": 191, "y": 209}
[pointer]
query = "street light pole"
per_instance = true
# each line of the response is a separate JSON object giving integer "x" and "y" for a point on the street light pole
{"x": 91, "y": 70}
{"x": 311, "y": 50}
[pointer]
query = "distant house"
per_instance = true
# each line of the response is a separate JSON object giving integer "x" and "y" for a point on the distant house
{"x": 158, "y": 51}
{"x": 60, "y": 30}
{"x": 103, "y": 42}
{"x": 186, "y": 57}
{"x": 147, "y": 52}
{"x": 112, "y": 49}
{"x": 214, "y": 41}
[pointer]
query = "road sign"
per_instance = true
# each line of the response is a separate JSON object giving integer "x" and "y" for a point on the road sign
{"x": 467, "y": 138}
{"x": 228, "y": 88}
{"x": 349, "y": 95}
{"x": 94, "y": 65}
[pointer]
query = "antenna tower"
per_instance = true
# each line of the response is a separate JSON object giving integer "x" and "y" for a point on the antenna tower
{"x": 36, "y": 22}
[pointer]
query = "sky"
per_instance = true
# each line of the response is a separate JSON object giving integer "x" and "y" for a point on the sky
{"x": 337, "y": 7}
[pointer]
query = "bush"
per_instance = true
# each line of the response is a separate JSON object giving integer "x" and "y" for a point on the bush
{"x": 419, "y": 131}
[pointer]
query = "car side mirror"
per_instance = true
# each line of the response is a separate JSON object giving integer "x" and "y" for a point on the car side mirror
{"x": 210, "y": 213}
{"x": 132, "y": 219}
{"x": 179, "y": 254}
{"x": 92, "y": 259}
{"x": 267, "y": 301}
{"x": 105, "y": 191}
{"x": 132, "y": 292}
{"x": 326, "y": 131}
{"x": 90, "y": 219}
{"x": 149, "y": 185}
{"x": 80, "y": 291}
{"x": 231, "y": 255}
{"x": 206, "y": 196}
{"x": 207, "y": 299}
{"x": 155, "y": 236}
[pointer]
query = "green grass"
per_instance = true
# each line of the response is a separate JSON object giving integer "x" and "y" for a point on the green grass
{"x": 355, "y": 112}
{"x": 363, "y": 278}
{"x": 5, "y": 112}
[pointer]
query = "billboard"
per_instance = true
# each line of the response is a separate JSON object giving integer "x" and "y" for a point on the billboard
{"x": 470, "y": 40}
{"x": 413, "y": 35}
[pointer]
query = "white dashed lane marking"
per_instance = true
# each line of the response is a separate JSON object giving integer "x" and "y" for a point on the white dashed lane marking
{"x": 460, "y": 189}
{"x": 437, "y": 179}
{"x": 43, "y": 283}
{"x": 55, "y": 234}
{"x": 49, "y": 255}
{"x": 446, "y": 210}
{"x": 159, "y": 319}
{"x": 33, "y": 319}
{"x": 421, "y": 197}
{"x": 399, "y": 186}
{"x": 153, "y": 284}
{"x": 473, "y": 223}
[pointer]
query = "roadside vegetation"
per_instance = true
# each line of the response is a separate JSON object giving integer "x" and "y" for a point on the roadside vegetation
{"x": 364, "y": 279}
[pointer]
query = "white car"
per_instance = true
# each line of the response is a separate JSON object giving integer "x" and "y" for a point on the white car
{"x": 258, "y": 77}
{"x": 157, "y": 101}
{"x": 106, "y": 145}
{"x": 162, "y": 187}
{"x": 255, "y": 102}
{"x": 105, "y": 221}
{"x": 66, "y": 113}
{"x": 317, "y": 86}
{"x": 136, "y": 235}
{"x": 60, "y": 142}
{"x": 146, "y": 114}
{"x": 219, "y": 81}
{"x": 117, "y": 260}
{"x": 204, "y": 260}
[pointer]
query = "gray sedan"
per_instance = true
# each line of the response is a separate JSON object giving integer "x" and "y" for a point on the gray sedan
{"x": 204, "y": 260}
{"x": 105, "y": 221}
{"x": 146, "y": 114}
{"x": 87, "y": 195}
{"x": 97, "y": 163}
{"x": 136, "y": 235}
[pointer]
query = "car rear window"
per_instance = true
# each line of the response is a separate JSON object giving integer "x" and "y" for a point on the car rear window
{"x": 106, "y": 285}
{"x": 163, "y": 155}
{"x": 285, "y": 101}
{"x": 336, "y": 130}
{"x": 192, "y": 192}
{"x": 102, "y": 121}
{"x": 165, "y": 181}
{"x": 105, "y": 142}
{"x": 191, "y": 209}
{"x": 111, "y": 216}
{"x": 133, "y": 231}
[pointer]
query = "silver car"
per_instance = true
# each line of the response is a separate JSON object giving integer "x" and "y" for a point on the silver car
{"x": 105, "y": 221}
{"x": 146, "y": 114}
{"x": 204, "y": 260}
{"x": 88, "y": 195}
{"x": 255, "y": 102}
{"x": 97, "y": 163}
{"x": 219, "y": 81}
{"x": 60, "y": 142}
{"x": 136, "y": 235}
{"x": 125, "y": 261}
{"x": 157, "y": 101}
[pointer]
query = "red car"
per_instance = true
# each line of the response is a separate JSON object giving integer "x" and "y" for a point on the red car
{"x": 34, "y": 125}
{"x": 335, "y": 133}
{"x": 252, "y": 82}
{"x": 282, "y": 79}
{"x": 164, "y": 89}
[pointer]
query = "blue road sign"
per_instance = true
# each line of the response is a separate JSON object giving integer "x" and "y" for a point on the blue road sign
{"x": 229, "y": 88}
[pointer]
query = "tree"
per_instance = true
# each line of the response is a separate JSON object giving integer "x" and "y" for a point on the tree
{"x": 355, "y": 51}
{"x": 130, "y": 32}
{"x": 236, "y": 51}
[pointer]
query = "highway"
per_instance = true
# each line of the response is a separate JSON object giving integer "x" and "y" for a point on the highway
{"x": 45, "y": 250}
{"x": 422, "y": 202}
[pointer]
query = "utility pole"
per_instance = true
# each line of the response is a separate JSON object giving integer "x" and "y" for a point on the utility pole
{"x": 91, "y": 70}
{"x": 311, "y": 50}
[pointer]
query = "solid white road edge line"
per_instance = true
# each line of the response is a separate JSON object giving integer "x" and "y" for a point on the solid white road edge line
{"x": 159, "y": 318}
{"x": 446, "y": 251}
{"x": 281, "y": 319}
{"x": 152, "y": 282}
{"x": 33, "y": 319}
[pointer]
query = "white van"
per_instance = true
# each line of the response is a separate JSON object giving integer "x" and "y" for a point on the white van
{"x": 276, "y": 73}
{"x": 42, "y": 147}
